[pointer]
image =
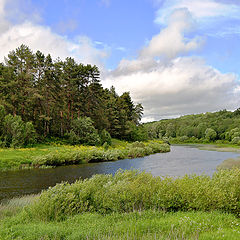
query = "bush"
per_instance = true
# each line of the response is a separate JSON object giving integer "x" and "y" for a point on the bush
{"x": 94, "y": 154}
{"x": 210, "y": 134}
{"x": 16, "y": 133}
{"x": 105, "y": 137}
{"x": 83, "y": 132}
{"x": 236, "y": 140}
{"x": 133, "y": 191}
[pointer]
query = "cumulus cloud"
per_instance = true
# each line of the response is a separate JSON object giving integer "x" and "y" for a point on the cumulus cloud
{"x": 201, "y": 10}
{"x": 169, "y": 84}
{"x": 186, "y": 85}
{"x": 171, "y": 41}
{"x": 42, "y": 38}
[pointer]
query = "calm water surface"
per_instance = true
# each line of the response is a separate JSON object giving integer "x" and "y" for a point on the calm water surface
{"x": 180, "y": 161}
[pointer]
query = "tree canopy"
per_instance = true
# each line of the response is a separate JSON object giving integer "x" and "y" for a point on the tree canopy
{"x": 52, "y": 94}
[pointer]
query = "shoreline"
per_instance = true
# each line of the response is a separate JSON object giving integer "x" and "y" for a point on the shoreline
{"x": 75, "y": 155}
{"x": 212, "y": 146}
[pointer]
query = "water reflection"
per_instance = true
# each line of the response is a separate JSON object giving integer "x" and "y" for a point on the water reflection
{"x": 180, "y": 161}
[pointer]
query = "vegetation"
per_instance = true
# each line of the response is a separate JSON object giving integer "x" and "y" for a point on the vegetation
{"x": 218, "y": 127}
{"x": 55, "y": 98}
{"x": 129, "y": 205}
{"x": 57, "y": 154}
{"x": 229, "y": 164}
{"x": 129, "y": 191}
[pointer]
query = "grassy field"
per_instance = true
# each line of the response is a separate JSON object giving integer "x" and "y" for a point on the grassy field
{"x": 56, "y": 154}
{"x": 191, "y": 207}
{"x": 138, "y": 225}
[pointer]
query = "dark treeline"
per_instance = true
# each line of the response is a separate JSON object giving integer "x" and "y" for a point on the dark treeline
{"x": 51, "y": 94}
{"x": 222, "y": 126}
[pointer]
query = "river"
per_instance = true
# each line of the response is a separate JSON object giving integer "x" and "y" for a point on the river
{"x": 180, "y": 161}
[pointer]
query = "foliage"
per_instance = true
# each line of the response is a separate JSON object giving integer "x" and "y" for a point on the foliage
{"x": 210, "y": 134}
{"x": 55, "y": 154}
{"x": 105, "y": 138}
{"x": 222, "y": 126}
{"x": 15, "y": 132}
{"x": 129, "y": 191}
{"x": 135, "y": 133}
{"x": 52, "y": 94}
{"x": 94, "y": 154}
{"x": 83, "y": 132}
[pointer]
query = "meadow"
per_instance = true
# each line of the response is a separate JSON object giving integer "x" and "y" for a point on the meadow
{"x": 129, "y": 205}
{"x": 57, "y": 154}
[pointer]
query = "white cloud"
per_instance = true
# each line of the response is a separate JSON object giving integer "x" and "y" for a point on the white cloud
{"x": 172, "y": 86}
{"x": 42, "y": 38}
{"x": 200, "y": 9}
{"x": 186, "y": 85}
{"x": 171, "y": 41}
{"x": 4, "y": 24}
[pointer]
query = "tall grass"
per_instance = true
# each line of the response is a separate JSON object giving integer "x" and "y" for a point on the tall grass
{"x": 56, "y": 155}
{"x": 147, "y": 225}
{"x": 15, "y": 205}
{"x": 129, "y": 191}
{"x": 129, "y": 205}
{"x": 81, "y": 154}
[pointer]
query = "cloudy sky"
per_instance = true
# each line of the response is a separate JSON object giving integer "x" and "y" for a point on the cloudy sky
{"x": 176, "y": 57}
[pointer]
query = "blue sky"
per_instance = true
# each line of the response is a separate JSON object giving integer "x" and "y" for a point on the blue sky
{"x": 176, "y": 57}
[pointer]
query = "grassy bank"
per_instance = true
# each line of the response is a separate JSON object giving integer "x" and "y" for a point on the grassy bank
{"x": 56, "y": 154}
{"x": 220, "y": 147}
{"x": 206, "y": 145}
{"x": 147, "y": 225}
{"x": 129, "y": 205}
{"x": 230, "y": 163}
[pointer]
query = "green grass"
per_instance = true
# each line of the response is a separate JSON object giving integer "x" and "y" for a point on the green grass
{"x": 13, "y": 206}
{"x": 137, "y": 225}
{"x": 131, "y": 190}
{"x": 130, "y": 199}
{"x": 57, "y": 154}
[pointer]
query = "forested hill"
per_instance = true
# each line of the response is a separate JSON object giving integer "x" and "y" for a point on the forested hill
{"x": 51, "y": 94}
{"x": 222, "y": 126}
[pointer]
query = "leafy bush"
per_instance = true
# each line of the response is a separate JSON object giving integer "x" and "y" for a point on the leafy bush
{"x": 210, "y": 134}
{"x": 95, "y": 154}
{"x": 105, "y": 137}
{"x": 236, "y": 140}
{"x": 132, "y": 190}
{"x": 83, "y": 132}
{"x": 17, "y": 133}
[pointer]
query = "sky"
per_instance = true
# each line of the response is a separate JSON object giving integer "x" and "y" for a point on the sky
{"x": 176, "y": 57}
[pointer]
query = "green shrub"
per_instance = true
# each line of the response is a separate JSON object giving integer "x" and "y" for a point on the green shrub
{"x": 17, "y": 133}
{"x": 105, "y": 137}
{"x": 210, "y": 134}
{"x": 236, "y": 140}
{"x": 133, "y": 191}
{"x": 83, "y": 132}
{"x": 97, "y": 154}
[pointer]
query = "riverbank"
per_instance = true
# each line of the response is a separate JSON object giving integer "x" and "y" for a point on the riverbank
{"x": 212, "y": 146}
{"x": 129, "y": 205}
{"x": 52, "y": 155}
{"x": 227, "y": 163}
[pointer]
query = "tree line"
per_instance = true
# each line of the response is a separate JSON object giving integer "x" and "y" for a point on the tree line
{"x": 221, "y": 126}
{"x": 52, "y": 94}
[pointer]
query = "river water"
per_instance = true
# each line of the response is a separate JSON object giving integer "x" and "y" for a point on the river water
{"x": 180, "y": 161}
